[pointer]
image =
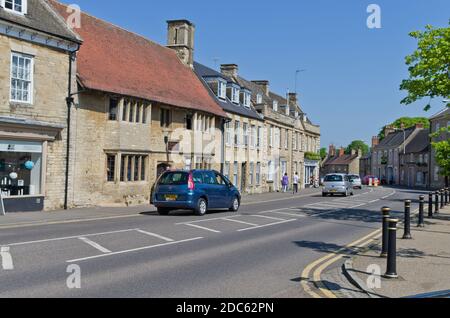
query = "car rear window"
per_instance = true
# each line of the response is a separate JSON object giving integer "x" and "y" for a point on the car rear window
{"x": 174, "y": 178}
{"x": 334, "y": 178}
{"x": 355, "y": 177}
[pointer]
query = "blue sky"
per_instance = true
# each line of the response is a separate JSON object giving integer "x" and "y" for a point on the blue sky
{"x": 352, "y": 78}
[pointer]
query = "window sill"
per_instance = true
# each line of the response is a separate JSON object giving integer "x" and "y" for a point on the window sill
{"x": 20, "y": 104}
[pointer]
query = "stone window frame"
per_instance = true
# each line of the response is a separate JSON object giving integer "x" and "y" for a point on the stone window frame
{"x": 23, "y": 6}
{"x": 31, "y": 58}
{"x": 123, "y": 166}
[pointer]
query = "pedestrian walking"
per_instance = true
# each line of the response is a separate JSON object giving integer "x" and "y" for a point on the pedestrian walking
{"x": 285, "y": 182}
{"x": 296, "y": 181}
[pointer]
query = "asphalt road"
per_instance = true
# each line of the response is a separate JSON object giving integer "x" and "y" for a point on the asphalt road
{"x": 258, "y": 252}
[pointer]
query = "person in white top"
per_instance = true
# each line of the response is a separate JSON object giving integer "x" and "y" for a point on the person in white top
{"x": 296, "y": 181}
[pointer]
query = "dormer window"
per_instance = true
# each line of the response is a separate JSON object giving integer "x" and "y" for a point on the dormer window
{"x": 233, "y": 93}
{"x": 222, "y": 90}
{"x": 259, "y": 99}
{"x": 17, "y": 6}
{"x": 246, "y": 97}
{"x": 275, "y": 106}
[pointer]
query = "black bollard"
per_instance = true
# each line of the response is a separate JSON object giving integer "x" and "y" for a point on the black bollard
{"x": 447, "y": 192}
{"x": 386, "y": 215}
{"x": 436, "y": 202}
{"x": 421, "y": 211}
{"x": 442, "y": 198}
{"x": 392, "y": 250}
{"x": 430, "y": 205}
{"x": 407, "y": 233}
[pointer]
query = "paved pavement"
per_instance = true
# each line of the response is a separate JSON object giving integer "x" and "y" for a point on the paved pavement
{"x": 258, "y": 252}
{"x": 423, "y": 263}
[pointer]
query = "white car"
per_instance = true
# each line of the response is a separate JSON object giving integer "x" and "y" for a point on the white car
{"x": 356, "y": 181}
{"x": 337, "y": 183}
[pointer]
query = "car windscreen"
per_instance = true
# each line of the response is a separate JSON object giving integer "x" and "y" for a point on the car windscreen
{"x": 174, "y": 178}
{"x": 354, "y": 177}
{"x": 334, "y": 178}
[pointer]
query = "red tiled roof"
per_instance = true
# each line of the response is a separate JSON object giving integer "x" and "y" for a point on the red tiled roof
{"x": 114, "y": 60}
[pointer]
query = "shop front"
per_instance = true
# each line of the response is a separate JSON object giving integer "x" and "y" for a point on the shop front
{"x": 311, "y": 172}
{"x": 23, "y": 159}
{"x": 21, "y": 175}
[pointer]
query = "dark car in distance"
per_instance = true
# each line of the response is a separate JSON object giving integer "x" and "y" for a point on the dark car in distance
{"x": 196, "y": 190}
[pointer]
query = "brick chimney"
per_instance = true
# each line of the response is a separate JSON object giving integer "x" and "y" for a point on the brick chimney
{"x": 264, "y": 86}
{"x": 375, "y": 141}
{"x": 341, "y": 152}
{"x": 230, "y": 70}
{"x": 419, "y": 126}
{"x": 180, "y": 37}
{"x": 332, "y": 151}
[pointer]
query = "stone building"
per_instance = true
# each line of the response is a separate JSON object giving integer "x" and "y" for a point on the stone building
{"x": 35, "y": 50}
{"x": 289, "y": 135}
{"x": 140, "y": 110}
{"x": 438, "y": 121}
{"x": 414, "y": 163}
{"x": 386, "y": 156}
{"x": 340, "y": 162}
{"x": 243, "y": 142}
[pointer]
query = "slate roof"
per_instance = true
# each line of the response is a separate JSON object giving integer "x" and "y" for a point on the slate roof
{"x": 204, "y": 71}
{"x": 394, "y": 139}
{"x": 420, "y": 142}
{"x": 342, "y": 160}
{"x": 118, "y": 61}
{"x": 442, "y": 113}
{"x": 41, "y": 17}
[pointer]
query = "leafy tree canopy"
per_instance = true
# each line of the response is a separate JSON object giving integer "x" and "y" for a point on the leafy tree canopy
{"x": 429, "y": 67}
{"x": 323, "y": 153}
{"x": 406, "y": 122}
{"x": 358, "y": 145}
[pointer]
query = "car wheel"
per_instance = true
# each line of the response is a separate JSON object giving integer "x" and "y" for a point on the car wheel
{"x": 324, "y": 195}
{"x": 163, "y": 211}
{"x": 235, "y": 205}
{"x": 202, "y": 207}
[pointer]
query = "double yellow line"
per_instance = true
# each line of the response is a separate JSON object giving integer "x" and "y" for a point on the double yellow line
{"x": 312, "y": 273}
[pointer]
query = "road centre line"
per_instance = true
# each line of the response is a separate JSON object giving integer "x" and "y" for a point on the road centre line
{"x": 94, "y": 245}
{"x": 238, "y": 221}
{"x": 156, "y": 235}
{"x": 267, "y": 225}
{"x": 133, "y": 250}
{"x": 70, "y": 237}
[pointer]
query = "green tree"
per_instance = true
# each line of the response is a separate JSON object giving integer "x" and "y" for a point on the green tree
{"x": 428, "y": 66}
{"x": 406, "y": 122}
{"x": 442, "y": 149}
{"x": 358, "y": 145}
{"x": 323, "y": 153}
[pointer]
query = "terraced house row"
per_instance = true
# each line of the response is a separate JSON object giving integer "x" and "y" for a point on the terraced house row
{"x": 94, "y": 114}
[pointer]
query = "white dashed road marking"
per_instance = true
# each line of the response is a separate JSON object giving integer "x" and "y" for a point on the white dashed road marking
{"x": 201, "y": 227}
{"x": 7, "y": 261}
{"x": 267, "y": 225}
{"x": 240, "y": 222}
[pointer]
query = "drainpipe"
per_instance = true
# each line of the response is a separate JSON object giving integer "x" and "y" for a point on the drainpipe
{"x": 69, "y": 102}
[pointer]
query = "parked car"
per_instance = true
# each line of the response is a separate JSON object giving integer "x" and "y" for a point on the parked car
{"x": 337, "y": 184}
{"x": 197, "y": 190}
{"x": 367, "y": 179}
{"x": 356, "y": 181}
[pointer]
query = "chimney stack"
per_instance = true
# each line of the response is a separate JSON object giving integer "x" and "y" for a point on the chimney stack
{"x": 419, "y": 126}
{"x": 388, "y": 130}
{"x": 230, "y": 70}
{"x": 180, "y": 37}
{"x": 264, "y": 86}
{"x": 375, "y": 141}
{"x": 332, "y": 151}
{"x": 341, "y": 152}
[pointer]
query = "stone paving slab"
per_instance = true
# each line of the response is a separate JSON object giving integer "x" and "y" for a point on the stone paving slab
{"x": 423, "y": 263}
